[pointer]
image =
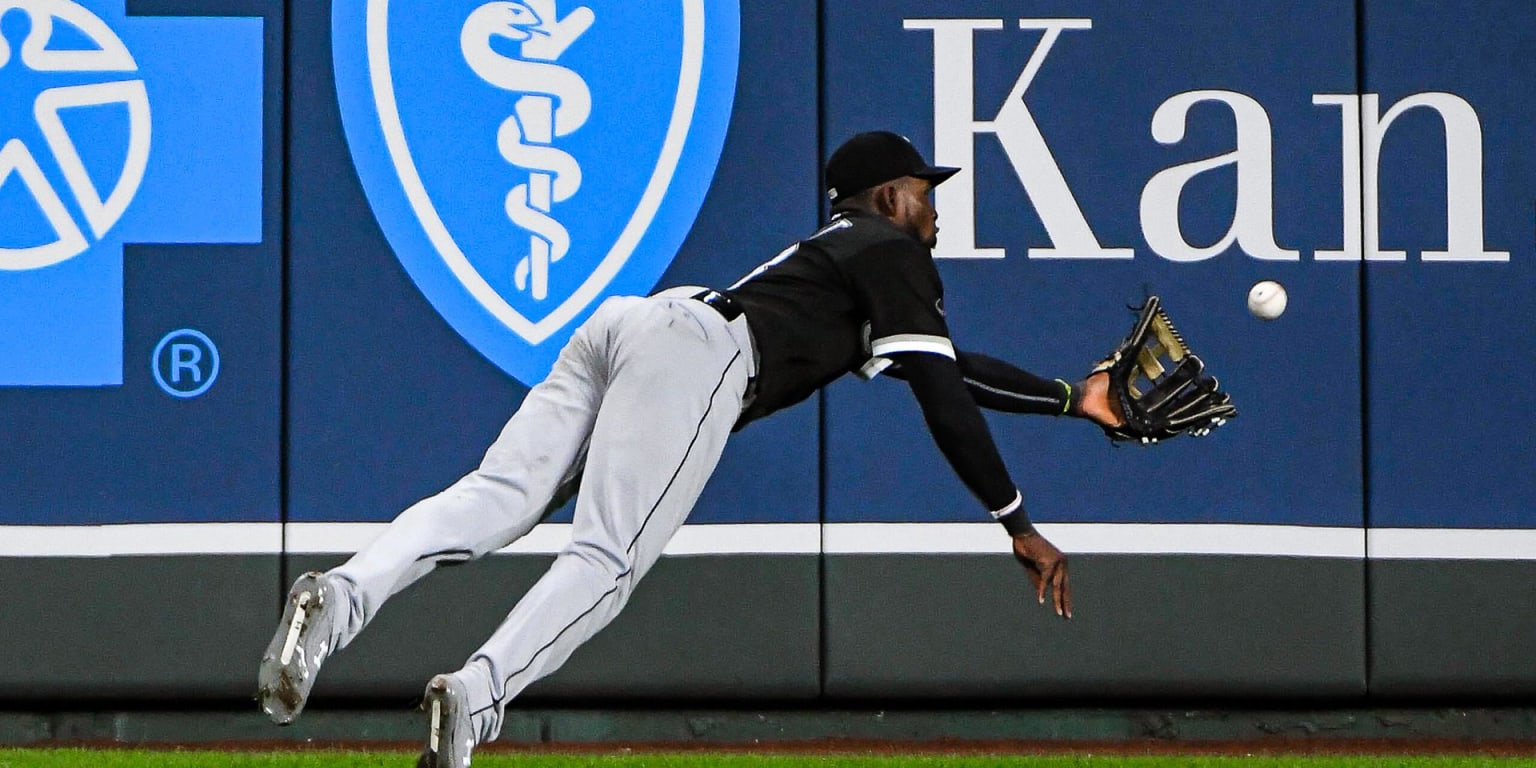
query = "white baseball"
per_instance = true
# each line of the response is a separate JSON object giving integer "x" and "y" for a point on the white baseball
{"x": 1266, "y": 299}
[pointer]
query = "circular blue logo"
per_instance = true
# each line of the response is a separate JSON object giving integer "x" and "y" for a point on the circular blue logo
{"x": 185, "y": 363}
{"x": 51, "y": 222}
{"x": 527, "y": 160}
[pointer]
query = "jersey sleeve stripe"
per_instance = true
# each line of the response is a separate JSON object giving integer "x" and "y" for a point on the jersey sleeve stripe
{"x": 873, "y": 367}
{"x": 912, "y": 342}
{"x": 1014, "y": 395}
{"x": 1013, "y": 506}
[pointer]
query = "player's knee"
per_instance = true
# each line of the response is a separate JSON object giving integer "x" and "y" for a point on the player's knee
{"x": 489, "y": 493}
{"x": 612, "y": 564}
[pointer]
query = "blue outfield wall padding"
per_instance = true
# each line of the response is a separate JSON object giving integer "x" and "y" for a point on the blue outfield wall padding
{"x": 1448, "y": 312}
{"x": 152, "y": 391}
{"x": 391, "y": 402}
{"x": 148, "y": 301}
{"x": 229, "y": 303}
{"x": 1111, "y": 149}
{"x": 388, "y": 404}
{"x": 1448, "y": 334}
{"x": 1076, "y": 208}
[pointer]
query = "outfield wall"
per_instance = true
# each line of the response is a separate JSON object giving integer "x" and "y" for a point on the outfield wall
{"x": 1365, "y": 530}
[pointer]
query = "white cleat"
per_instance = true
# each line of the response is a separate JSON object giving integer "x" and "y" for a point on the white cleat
{"x": 300, "y": 646}
{"x": 450, "y": 739}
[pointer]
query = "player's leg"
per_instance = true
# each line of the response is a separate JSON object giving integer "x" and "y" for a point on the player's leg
{"x": 676, "y": 393}
{"x": 538, "y": 454}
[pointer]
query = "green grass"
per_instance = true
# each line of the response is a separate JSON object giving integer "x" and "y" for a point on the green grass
{"x": 69, "y": 758}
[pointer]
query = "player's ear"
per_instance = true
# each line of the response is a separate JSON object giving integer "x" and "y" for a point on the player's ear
{"x": 885, "y": 199}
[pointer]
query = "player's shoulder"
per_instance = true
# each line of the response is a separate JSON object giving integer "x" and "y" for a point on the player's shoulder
{"x": 854, "y": 233}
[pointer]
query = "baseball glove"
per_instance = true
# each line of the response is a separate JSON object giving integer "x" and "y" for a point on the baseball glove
{"x": 1160, "y": 386}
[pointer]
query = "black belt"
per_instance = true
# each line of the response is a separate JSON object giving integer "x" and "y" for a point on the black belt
{"x": 728, "y": 307}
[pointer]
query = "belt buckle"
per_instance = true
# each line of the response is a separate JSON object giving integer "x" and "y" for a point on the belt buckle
{"x": 721, "y": 303}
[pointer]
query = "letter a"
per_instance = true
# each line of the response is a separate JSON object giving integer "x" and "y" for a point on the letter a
{"x": 1253, "y": 221}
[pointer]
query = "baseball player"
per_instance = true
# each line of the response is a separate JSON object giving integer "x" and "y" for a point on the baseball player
{"x": 635, "y": 414}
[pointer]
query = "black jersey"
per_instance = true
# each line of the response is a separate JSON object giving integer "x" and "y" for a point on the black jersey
{"x": 838, "y": 302}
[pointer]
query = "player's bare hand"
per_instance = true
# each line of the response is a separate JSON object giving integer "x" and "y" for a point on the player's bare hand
{"x": 1095, "y": 403}
{"x": 1047, "y": 569}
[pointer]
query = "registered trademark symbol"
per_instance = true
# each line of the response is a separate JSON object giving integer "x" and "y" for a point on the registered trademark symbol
{"x": 185, "y": 363}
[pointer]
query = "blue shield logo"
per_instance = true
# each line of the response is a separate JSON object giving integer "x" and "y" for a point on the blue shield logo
{"x": 527, "y": 160}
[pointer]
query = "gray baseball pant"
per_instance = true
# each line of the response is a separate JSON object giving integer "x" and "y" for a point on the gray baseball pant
{"x": 644, "y": 396}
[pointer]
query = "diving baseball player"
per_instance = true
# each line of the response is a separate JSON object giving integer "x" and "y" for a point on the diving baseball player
{"x": 633, "y": 418}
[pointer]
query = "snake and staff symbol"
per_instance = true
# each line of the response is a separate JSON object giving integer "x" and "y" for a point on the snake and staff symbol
{"x": 556, "y": 103}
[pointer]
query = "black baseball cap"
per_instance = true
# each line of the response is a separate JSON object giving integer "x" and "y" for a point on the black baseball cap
{"x": 873, "y": 158}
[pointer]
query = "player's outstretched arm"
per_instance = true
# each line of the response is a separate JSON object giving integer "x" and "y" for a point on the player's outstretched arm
{"x": 962, "y": 436}
{"x": 1001, "y": 386}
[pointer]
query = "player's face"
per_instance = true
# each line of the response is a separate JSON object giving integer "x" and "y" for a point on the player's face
{"x": 915, "y": 212}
